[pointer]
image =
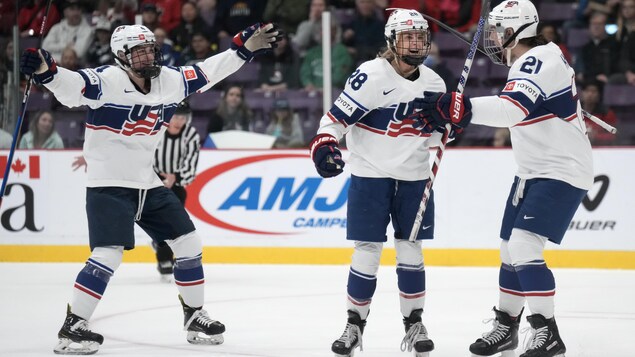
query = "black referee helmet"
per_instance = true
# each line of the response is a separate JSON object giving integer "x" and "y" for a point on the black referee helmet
{"x": 183, "y": 108}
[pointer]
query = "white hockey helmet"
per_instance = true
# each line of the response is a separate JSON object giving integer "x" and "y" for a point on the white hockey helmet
{"x": 507, "y": 23}
{"x": 127, "y": 37}
{"x": 406, "y": 20}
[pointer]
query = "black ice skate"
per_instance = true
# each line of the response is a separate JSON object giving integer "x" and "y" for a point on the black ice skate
{"x": 545, "y": 340}
{"x": 416, "y": 335}
{"x": 76, "y": 338}
{"x": 201, "y": 330}
{"x": 502, "y": 338}
{"x": 351, "y": 338}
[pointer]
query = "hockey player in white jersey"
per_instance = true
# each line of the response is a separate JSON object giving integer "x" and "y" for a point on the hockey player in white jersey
{"x": 540, "y": 106}
{"x": 389, "y": 161}
{"x": 130, "y": 105}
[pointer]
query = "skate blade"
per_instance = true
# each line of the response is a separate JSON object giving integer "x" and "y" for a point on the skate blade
{"x": 422, "y": 354}
{"x": 502, "y": 354}
{"x": 345, "y": 355}
{"x": 68, "y": 347}
{"x": 197, "y": 338}
{"x": 166, "y": 278}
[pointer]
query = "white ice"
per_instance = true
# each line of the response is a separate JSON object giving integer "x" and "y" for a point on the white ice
{"x": 290, "y": 310}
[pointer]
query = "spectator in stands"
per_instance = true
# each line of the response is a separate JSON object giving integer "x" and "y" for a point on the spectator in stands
{"x": 42, "y": 134}
{"x": 303, "y": 39}
{"x": 150, "y": 16}
{"x": 170, "y": 12}
{"x": 462, "y": 15}
{"x": 279, "y": 69}
{"x": 551, "y": 34}
{"x": 232, "y": 112}
{"x": 31, "y": 15}
{"x": 607, "y": 7}
{"x": 285, "y": 126}
{"x": 626, "y": 41}
{"x": 232, "y": 16}
{"x": 73, "y": 31}
{"x": 434, "y": 61}
{"x": 598, "y": 58}
{"x": 207, "y": 11}
{"x": 5, "y": 139}
{"x": 591, "y": 101}
{"x": 287, "y": 14}
{"x": 365, "y": 34}
{"x": 99, "y": 52}
{"x": 69, "y": 59}
{"x": 341, "y": 62}
{"x": 199, "y": 50}
{"x": 191, "y": 23}
{"x": 170, "y": 56}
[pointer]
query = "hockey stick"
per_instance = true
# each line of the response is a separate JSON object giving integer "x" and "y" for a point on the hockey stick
{"x": 598, "y": 121}
{"x": 18, "y": 124}
{"x": 453, "y": 31}
{"x": 448, "y": 127}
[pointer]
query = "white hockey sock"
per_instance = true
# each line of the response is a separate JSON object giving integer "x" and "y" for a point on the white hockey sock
{"x": 188, "y": 268}
{"x": 92, "y": 280}
{"x": 411, "y": 276}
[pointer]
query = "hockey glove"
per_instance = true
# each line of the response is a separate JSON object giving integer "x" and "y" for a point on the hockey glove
{"x": 435, "y": 110}
{"x": 326, "y": 155}
{"x": 255, "y": 40}
{"x": 39, "y": 64}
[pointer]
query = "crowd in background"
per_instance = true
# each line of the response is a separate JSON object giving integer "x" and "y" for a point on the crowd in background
{"x": 280, "y": 94}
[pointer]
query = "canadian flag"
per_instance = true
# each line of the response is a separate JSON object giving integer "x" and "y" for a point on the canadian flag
{"x": 19, "y": 166}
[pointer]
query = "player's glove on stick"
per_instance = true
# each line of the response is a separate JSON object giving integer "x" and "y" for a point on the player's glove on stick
{"x": 435, "y": 110}
{"x": 326, "y": 155}
{"x": 255, "y": 40}
{"x": 38, "y": 63}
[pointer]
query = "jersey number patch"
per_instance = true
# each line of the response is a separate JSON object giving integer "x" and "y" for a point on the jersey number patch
{"x": 531, "y": 65}
{"x": 357, "y": 79}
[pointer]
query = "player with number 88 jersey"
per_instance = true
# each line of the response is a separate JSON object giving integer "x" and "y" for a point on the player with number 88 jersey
{"x": 389, "y": 161}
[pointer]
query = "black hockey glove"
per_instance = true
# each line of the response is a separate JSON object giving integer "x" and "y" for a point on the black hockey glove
{"x": 31, "y": 62}
{"x": 256, "y": 40}
{"x": 326, "y": 155}
{"x": 435, "y": 110}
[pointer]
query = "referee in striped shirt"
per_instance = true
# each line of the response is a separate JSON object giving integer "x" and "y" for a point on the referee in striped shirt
{"x": 175, "y": 161}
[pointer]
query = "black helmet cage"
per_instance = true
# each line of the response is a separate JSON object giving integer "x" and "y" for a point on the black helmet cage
{"x": 147, "y": 72}
{"x": 410, "y": 59}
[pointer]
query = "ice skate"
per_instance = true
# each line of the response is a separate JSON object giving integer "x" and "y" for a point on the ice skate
{"x": 76, "y": 338}
{"x": 351, "y": 338}
{"x": 502, "y": 338}
{"x": 201, "y": 330}
{"x": 416, "y": 335}
{"x": 545, "y": 339}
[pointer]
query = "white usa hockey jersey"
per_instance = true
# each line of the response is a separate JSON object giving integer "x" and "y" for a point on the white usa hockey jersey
{"x": 372, "y": 112}
{"x": 540, "y": 106}
{"x": 123, "y": 125}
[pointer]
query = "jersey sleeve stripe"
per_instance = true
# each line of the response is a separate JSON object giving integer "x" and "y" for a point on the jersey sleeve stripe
{"x": 366, "y": 127}
{"x": 91, "y": 89}
{"x": 516, "y": 103}
{"x": 335, "y": 120}
{"x": 356, "y": 102}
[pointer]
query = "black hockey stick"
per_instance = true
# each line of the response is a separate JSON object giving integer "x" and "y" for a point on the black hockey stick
{"x": 454, "y": 32}
{"x": 18, "y": 124}
{"x": 448, "y": 127}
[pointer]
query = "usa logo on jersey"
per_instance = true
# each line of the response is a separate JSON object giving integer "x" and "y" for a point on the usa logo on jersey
{"x": 143, "y": 120}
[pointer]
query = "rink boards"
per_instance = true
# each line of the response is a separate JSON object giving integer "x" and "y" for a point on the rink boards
{"x": 269, "y": 206}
